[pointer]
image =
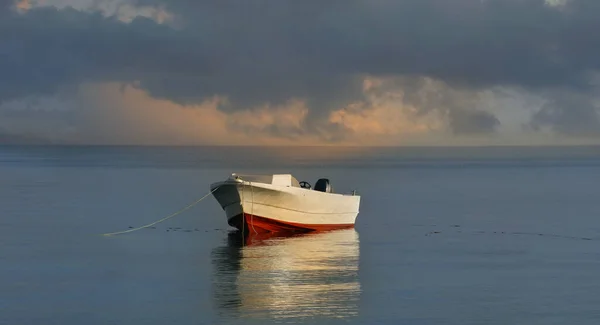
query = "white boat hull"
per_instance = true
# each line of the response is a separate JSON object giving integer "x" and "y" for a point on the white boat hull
{"x": 260, "y": 207}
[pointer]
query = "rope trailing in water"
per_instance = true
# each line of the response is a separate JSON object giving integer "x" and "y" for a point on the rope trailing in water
{"x": 163, "y": 219}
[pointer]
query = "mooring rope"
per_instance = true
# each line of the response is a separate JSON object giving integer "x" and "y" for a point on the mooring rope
{"x": 163, "y": 219}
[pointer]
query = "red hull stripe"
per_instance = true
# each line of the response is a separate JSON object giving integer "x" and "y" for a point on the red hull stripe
{"x": 261, "y": 225}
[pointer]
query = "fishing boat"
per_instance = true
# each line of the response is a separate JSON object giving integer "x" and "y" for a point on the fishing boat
{"x": 279, "y": 203}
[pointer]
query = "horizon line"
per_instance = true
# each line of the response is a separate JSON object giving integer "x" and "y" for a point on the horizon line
{"x": 301, "y": 146}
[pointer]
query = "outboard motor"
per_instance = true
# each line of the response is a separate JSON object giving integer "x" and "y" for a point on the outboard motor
{"x": 323, "y": 185}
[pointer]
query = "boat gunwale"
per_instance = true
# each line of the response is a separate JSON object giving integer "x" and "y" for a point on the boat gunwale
{"x": 238, "y": 182}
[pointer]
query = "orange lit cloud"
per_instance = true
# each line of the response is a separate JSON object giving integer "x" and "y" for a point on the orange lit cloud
{"x": 120, "y": 9}
{"x": 288, "y": 118}
{"x": 135, "y": 117}
{"x": 127, "y": 13}
{"x": 382, "y": 124}
{"x": 384, "y": 119}
{"x": 23, "y": 5}
{"x": 117, "y": 115}
{"x": 112, "y": 113}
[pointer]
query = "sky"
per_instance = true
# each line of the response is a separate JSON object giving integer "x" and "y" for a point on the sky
{"x": 287, "y": 72}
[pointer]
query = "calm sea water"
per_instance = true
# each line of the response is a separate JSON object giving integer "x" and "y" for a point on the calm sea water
{"x": 444, "y": 236}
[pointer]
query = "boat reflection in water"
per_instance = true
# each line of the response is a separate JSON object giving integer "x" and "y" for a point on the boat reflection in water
{"x": 295, "y": 276}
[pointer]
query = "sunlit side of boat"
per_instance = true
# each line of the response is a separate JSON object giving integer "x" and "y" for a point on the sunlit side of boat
{"x": 278, "y": 203}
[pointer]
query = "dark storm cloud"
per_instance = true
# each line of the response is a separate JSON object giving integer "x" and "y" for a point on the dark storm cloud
{"x": 460, "y": 106}
{"x": 257, "y": 52}
{"x": 475, "y": 42}
{"x": 472, "y": 122}
{"x": 48, "y": 48}
{"x": 569, "y": 114}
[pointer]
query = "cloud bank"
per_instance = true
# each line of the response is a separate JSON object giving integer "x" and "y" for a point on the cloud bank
{"x": 300, "y": 72}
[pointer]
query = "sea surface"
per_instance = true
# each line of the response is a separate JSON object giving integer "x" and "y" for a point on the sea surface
{"x": 497, "y": 235}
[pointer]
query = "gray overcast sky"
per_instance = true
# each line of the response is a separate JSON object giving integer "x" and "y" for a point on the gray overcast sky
{"x": 384, "y": 72}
